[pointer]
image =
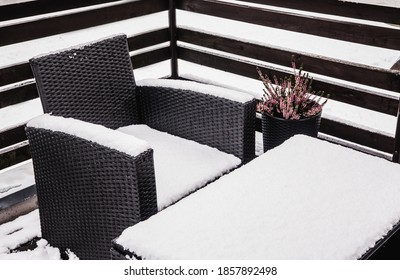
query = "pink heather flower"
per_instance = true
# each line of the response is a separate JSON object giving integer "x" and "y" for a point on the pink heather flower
{"x": 291, "y": 97}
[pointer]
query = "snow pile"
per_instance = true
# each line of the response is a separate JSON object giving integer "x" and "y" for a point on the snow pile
{"x": 306, "y": 199}
{"x": 43, "y": 251}
{"x": 181, "y": 166}
{"x": 22, "y": 230}
{"x": 71, "y": 255}
{"x": 92, "y": 132}
{"x": 19, "y": 231}
{"x": 194, "y": 86}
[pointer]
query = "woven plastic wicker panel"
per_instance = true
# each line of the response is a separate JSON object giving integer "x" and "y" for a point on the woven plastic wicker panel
{"x": 119, "y": 253}
{"x": 93, "y": 83}
{"x": 87, "y": 193}
{"x": 115, "y": 255}
{"x": 220, "y": 123}
{"x": 276, "y": 131}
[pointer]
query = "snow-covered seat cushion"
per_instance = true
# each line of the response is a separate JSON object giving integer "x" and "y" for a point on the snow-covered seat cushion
{"x": 181, "y": 165}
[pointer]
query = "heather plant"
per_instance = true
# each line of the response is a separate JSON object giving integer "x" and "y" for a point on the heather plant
{"x": 291, "y": 97}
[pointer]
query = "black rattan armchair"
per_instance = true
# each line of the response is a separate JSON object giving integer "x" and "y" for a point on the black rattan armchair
{"x": 88, "y": 192}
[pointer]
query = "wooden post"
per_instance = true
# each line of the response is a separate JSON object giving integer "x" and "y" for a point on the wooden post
{"x": 396, "y": 65}
{"x": 396, "y": 157}
{"x": 173, "y": 39}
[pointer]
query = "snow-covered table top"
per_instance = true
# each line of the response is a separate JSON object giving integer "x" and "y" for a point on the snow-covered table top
{"x": 306, "y": 199}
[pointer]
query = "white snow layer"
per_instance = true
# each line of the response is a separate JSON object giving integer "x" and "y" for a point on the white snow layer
{"x": 92, "y": 132}
{"x": 81, "y": 46}
{"x": 19, "y": 231}
{"x": 16, "y": 178}
{"x": 306, "y": 199}
{"x": 42, "y": 252}
{"x": 289, "y": 40}
{"x": 230, "y": 94}
{"x": 181, "y": 166}
{"x": 23, "y": 51}
{"x": 388, "y": 3}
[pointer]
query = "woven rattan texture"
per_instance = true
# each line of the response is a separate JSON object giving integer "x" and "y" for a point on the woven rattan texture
{"x": 93, "y": 83}
{"x": 87, "y": 193}
{"x": 276, "y": 131}
{"x": 220, "y": 123}
{"x": 147, "y": 185}
{"x": 115, "y": 255}
{"x": 249, "y": 128}
{"x": 118, "y": 252}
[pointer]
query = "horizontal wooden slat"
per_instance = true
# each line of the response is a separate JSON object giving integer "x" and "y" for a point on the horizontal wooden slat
{"x": 330, "y": 28}
{"x": 357, "y": 135}
{"x": 15, "y": 73}
{"x": 12, "y": 136}
{"x": 25, "y": 9}
{"x": 362, "y": 98}
{"x": 39, "y": 7}
{"x": 13, "y": 157}
{"x": 17, "y": 197}
{"x": 339, "y": 8}
{"x": 148, "y": 39}
{"x": 23, "y": 206}
{"x": 18, "y": 94}
{"x": 59, "y": 24}
{"x": 336, "y": 91}
{"x": 357, "y": 73}
{"x": 151, "y": 57}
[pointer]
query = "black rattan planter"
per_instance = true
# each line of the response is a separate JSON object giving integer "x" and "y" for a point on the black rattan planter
{"x": 277, "y": 130}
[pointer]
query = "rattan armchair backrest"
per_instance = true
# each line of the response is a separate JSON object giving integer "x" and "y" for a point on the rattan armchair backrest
{"x": 93, "y": 83}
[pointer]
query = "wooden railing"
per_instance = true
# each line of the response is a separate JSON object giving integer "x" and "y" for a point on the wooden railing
{"x": 356, "y": 32}
{"x": 13, "y": 144}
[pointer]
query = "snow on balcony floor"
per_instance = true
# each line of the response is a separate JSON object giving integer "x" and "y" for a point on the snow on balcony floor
{"x": 20, "y": 231}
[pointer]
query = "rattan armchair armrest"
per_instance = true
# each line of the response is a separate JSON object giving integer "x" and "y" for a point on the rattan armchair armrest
{"x": 210, "y": 115}
{"x": 88, "y": 191}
